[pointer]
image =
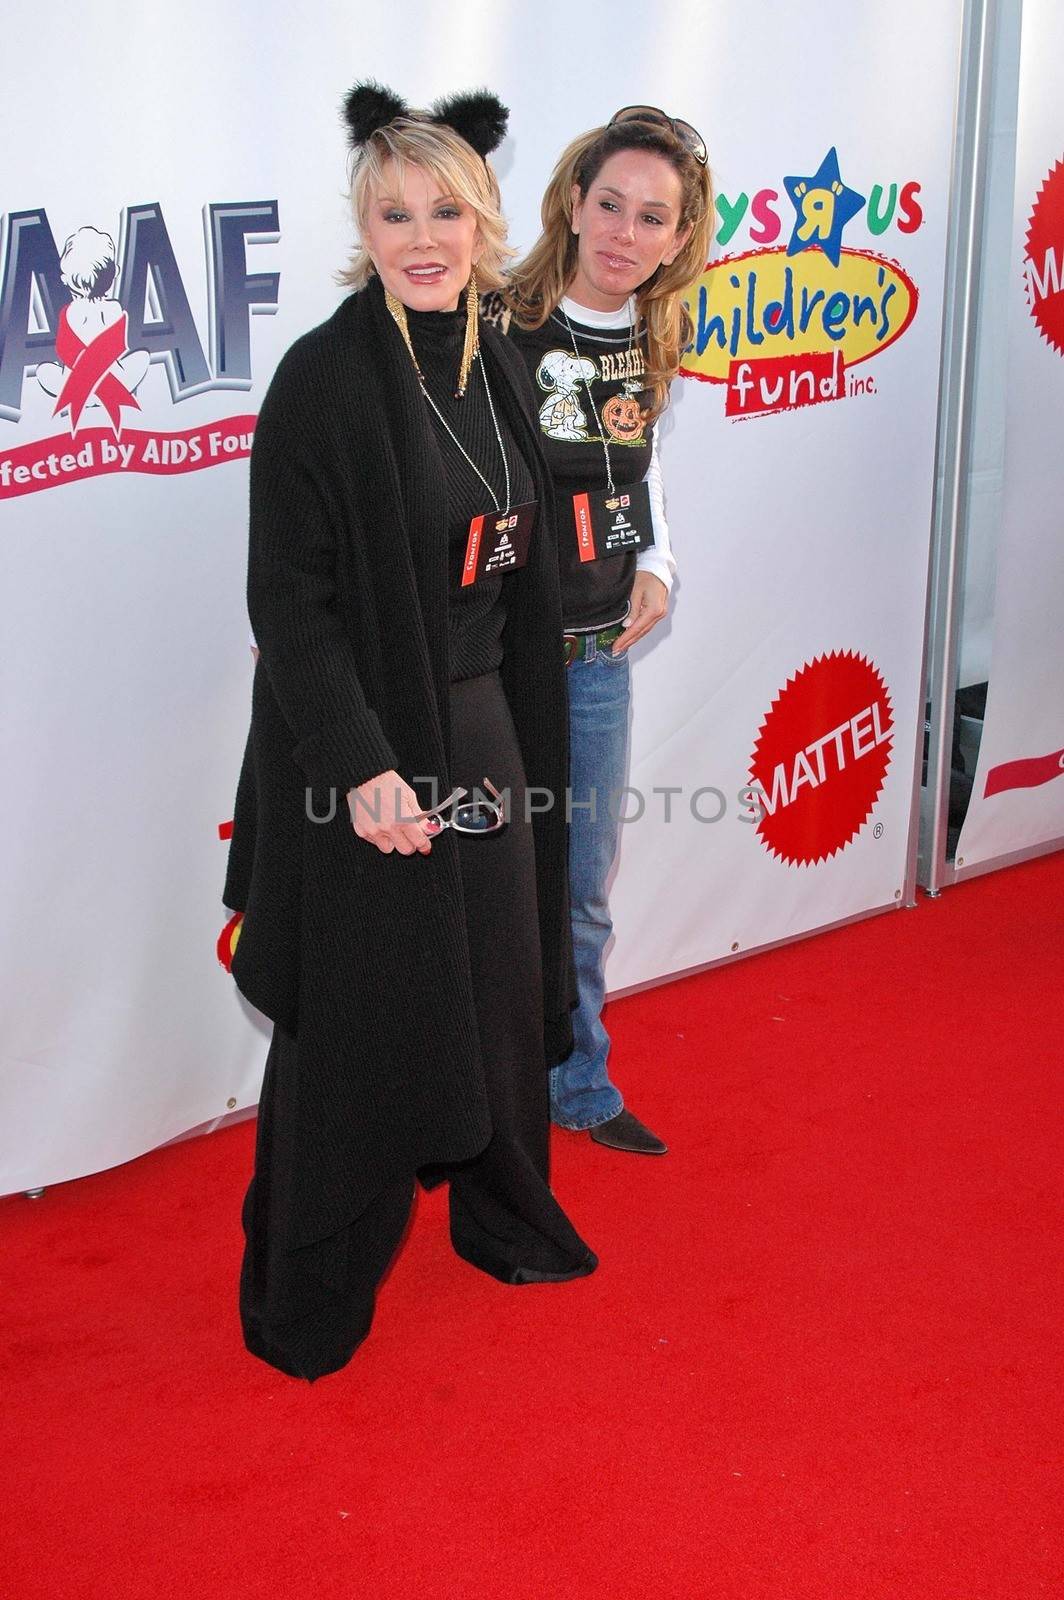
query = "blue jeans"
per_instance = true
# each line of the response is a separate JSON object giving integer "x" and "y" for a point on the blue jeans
{"x": 581, "y": 1094}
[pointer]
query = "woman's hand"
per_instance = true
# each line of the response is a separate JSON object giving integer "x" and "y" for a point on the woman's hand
{"x": 648, "y": 604}
{"x": 385, "y": 812}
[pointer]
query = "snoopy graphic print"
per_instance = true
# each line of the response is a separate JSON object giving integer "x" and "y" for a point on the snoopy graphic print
{"x": 569, "y": 380}
{"x": 564, "y": 376}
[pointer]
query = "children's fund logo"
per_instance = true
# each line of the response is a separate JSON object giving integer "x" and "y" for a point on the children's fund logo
{"x": 81, "y": 326}
{"x": 821, "y": 757}
{"x": 1044, "y": 263}
{"x": 782, "y": 326}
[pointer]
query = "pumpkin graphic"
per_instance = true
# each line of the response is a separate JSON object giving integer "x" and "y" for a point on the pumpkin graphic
{"x": 623, "y": 419}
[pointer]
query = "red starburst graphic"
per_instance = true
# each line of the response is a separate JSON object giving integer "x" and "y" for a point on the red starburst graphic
{"x": 821, "y": 757}
{"x": 1044, "y": 263}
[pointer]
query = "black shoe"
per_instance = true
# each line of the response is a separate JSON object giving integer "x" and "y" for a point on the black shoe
{"x": 497, "y": 1267}
{"x": 625, "y": 1132}
{"x": 530, "y": 1275}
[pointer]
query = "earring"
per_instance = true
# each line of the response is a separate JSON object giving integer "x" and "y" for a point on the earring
{"x": 398, "y": 313}
{"x": 471, "y": 345}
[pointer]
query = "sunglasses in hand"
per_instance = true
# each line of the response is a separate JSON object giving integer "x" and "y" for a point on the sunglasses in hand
{"x": 483, "y": 813}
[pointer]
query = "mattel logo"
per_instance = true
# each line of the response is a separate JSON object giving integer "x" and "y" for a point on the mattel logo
{"x": 821, "y": 757}
{"x": 1044, "y": 260}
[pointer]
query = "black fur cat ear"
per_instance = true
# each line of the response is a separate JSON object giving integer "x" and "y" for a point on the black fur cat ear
{"x": 479, "y": 117}
{"x": 370, "y": 106}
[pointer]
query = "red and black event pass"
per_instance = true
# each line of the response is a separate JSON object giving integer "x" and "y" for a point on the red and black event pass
{"x": 498, "y": 542}
{"x": 608, "y": 524}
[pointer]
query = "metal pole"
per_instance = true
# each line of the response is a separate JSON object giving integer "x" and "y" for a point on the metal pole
{"x": 953, "y": 451}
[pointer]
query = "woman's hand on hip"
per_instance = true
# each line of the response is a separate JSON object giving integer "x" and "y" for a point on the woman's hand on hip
{"x": 385, "y": 812}
{"x": 648, "y": 604}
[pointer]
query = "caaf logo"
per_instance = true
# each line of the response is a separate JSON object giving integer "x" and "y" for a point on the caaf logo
{"x": 821, "y": 757}
{"x": 781, "y": 326}
{"x": 81, "y": 327}
{"x": 1044, "y": 262}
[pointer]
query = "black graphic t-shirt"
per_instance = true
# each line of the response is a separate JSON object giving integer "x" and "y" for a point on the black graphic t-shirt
{"x": 573, "y": 424}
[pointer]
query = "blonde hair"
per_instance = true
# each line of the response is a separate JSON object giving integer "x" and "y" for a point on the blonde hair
{"x": 456, "y": 167}
{"x": 539, "y": 281}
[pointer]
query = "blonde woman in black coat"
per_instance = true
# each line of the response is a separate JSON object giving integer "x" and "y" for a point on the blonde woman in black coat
{"x": 411, "y": 947}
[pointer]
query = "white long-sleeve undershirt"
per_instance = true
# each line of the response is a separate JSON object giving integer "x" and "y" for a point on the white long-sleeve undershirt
{"x": 657, "y": 558}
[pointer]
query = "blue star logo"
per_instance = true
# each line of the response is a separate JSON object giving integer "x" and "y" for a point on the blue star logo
{"x": 824, "y": 205}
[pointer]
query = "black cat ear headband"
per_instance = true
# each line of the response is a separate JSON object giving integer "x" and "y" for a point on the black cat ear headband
{"x": 478, "y": 117}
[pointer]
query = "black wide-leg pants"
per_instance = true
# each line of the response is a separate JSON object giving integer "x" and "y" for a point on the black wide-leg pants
{"x": 305, "y": 1311}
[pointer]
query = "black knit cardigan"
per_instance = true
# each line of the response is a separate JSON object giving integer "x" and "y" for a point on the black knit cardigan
{"x": 364, "y": 955}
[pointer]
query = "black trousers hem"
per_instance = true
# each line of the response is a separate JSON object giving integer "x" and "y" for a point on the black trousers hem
{"x": 306, "y": 1310}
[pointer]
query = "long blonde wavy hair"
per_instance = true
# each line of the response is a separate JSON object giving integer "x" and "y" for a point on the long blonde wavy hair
{"x": 538, "y": 283}
{"x": 458, "y": 169}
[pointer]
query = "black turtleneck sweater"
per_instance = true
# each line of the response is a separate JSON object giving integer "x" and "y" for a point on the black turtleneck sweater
{"x": 478, "y": 612}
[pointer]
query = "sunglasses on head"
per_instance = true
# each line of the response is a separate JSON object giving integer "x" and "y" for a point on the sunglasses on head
{"x": 683, "y": 130}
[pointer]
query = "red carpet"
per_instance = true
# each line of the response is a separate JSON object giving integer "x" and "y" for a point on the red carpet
{"x": 820, "y": 1359}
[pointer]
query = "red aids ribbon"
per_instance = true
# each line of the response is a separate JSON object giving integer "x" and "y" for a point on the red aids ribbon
{"x": 90, "y": 372}
{"x": 1027, "y": 774}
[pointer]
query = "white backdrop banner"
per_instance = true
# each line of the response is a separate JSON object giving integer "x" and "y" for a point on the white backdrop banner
{"x": 162, "y": 249}
{"x": 1018, "y": 794}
